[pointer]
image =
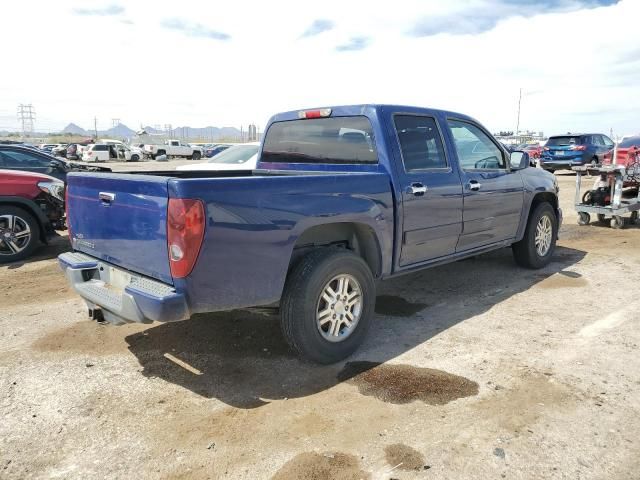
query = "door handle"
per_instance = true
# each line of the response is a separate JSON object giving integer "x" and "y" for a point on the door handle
{"x": 475, "y": 185}
{"x": 106, "y": 197}
{"x": 417, "y": 189}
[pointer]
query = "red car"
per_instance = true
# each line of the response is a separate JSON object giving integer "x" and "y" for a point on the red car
{"x": 534, "y": 150}
{"x": 628, "y": 154}
{"x": 31, "y": 209}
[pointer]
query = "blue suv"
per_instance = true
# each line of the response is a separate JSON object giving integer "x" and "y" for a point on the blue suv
{"x": 561, "y": 152}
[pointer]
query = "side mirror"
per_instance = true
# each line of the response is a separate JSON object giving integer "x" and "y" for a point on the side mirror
{"x": 55, "y": 165}
{"x": 519, "y": 160}
{"x": 161, "y": 158}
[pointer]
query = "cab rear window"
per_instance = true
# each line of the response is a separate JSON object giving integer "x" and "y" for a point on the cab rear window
{"x": 340, "y": 140}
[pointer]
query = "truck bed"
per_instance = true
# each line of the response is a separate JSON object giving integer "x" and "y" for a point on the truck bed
{"x": 253, "y": 220}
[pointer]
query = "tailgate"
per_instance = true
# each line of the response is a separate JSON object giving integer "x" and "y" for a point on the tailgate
{"x": 121, "y": 219}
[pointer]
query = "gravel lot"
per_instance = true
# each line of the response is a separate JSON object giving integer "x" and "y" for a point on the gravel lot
{"x": 477, "y": 369}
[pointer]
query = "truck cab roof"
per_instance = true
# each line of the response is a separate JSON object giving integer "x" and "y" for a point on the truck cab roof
{"x": 366, "y": 109}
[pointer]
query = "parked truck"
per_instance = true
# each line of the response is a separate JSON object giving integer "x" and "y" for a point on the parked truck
{"x": 173, "y": 148}
{"x": 342, "y": 198}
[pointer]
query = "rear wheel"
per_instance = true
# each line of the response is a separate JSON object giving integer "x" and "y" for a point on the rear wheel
{"x": 196, "y": 155}
{"x": 135, "y": 158}
{"x": 327, "y": 305}
{"x": 19, "y": 234}
{"x": 539, "y": 242}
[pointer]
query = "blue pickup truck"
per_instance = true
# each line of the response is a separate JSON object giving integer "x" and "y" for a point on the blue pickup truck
{"x": 342, "y": 197}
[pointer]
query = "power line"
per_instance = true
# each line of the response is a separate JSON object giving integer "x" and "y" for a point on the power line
{"x": 26, "y": 117}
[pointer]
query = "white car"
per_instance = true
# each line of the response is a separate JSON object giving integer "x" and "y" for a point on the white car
{"x": 103, "y": 152}
{"x": 238, "y": 157}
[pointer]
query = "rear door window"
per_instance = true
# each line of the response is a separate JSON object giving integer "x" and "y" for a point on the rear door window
{"x": 420, "y": 142}
{"x": 342, "y": 140}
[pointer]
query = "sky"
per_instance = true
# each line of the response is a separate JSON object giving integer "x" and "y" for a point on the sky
{"x": 206, "y": 63}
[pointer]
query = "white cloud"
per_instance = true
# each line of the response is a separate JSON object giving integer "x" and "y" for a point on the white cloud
{"x": 578, "y": 67}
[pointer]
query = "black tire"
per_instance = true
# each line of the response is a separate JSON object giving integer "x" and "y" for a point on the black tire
{"x": 617, "y": 222}
{"x": 602, "y": 218}
{"x": 300, "y": 300}
{"x": 524, "y": 251}
{"x": 584, "y": 218}
{"x": 162, "y": 152}
{"x": 34, "y": 240}
{"x": 134, "y": 158}
{"x": 196, "y": 155}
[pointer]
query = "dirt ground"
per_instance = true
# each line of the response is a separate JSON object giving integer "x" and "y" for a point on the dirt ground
{"x": 478, "y": 369}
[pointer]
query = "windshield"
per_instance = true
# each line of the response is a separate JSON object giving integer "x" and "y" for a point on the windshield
{"x": 236, "y": 154}
{"x": 630, "y": 142}
{"x": 561, "y": 141}
{"x": 321, "y": 140}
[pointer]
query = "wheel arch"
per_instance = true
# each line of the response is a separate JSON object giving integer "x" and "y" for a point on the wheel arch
{"x": 540, "y": 197}
{"x": 357, "y": 237}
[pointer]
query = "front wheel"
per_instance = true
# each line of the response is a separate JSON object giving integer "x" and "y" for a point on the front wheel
{"x": 539, "y": 242}
{"x": 327, "y": 305}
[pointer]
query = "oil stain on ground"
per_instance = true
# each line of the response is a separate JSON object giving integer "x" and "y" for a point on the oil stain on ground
{"x": 400, "y": 384}
{"x": 397, "y": 306}
{"x": 326, "y": 466}
{"x": 563, "y": 280}
{"x": 403, "y": 457}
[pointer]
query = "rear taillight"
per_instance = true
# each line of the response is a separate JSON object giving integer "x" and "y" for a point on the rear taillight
{"x": 580, "y": 148}
{"x": 66, "y": 212}
{"x": 185, "y": 231}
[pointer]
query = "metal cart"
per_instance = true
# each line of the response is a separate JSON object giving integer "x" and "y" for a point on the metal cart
{"x": 619, "y": 206}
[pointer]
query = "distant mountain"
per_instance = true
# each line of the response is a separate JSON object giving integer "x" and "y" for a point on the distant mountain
{"x": 74, "y": 129}
{"x": 208, "y": 133}
{"x": 121, "y": 131}
{"x": 150, "y": 130}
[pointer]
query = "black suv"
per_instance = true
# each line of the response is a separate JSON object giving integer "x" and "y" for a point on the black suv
{"x": 23, "y": 158}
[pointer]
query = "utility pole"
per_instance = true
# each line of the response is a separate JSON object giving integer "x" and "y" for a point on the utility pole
{"x": 26, "y": 116}
{"x": 95, "y": 127}
{"x": 518, "y": 122}
{"x": 168, "y": 130}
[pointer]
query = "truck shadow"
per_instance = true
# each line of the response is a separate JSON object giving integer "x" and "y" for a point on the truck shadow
{"x": 241, "y": 358}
